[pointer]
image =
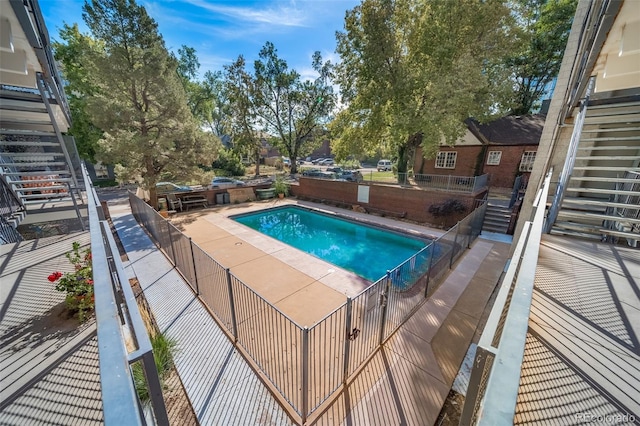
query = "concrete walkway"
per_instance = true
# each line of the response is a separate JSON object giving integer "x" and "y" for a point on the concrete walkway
{"x": 221, "y": 385}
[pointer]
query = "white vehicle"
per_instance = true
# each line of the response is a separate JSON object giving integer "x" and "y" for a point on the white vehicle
{"x": 384, "y": 165}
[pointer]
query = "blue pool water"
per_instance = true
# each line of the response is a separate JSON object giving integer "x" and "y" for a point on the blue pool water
{"x": 367, "y": 251}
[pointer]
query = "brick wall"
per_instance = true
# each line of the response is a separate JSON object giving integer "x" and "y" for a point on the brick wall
{"x": 388, "y": 200}
{"x": 504, "y": 174}
{"x": 465, "y": 162}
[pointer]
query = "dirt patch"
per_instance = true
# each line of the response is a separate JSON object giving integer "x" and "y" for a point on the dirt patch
{"x": 451, "y": 410}
{"x": 179, "y": 409}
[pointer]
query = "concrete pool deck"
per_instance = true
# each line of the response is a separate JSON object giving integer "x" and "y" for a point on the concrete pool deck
{"x": 406, "y": 382}
{"x": 305, "y": 288}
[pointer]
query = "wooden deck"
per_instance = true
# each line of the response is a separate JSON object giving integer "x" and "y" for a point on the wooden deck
{"x": 582, "y": 354}
{"x": 49, "y": 371}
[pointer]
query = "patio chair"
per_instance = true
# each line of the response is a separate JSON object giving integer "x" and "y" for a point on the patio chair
{"x": 174, "y": 202}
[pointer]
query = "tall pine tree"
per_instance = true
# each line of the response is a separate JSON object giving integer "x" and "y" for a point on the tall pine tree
{"x": 139, "y": 101}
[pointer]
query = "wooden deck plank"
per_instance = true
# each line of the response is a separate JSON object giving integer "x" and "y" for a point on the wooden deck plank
{"x": 582, "y": 356}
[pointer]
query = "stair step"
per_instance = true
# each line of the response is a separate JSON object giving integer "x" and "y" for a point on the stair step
{"x": 31, "y": 197}
{"x": 33, "y": 181}
{"x": 33, "y": 154}
{"x": 26, "y": 132}
{"x": 28, "y": 143}
{"x": 41, "y": 188}
{"x": 36, "y": 164}
{"x": 497, "y": 218}
{"x": 610, "y": 106}
{"x": 17, "y": 122}
{"x": 572, "y": 233}
{"x": 38, "y": 173}
{"x": 612, "y": 139}
{"x": 612, "y": 119}
{"x": 595, "y": 202}
{"x": 595, "y": 216}
{"x": 607, "y": 169}
{"x": 22, "y": 108}
{"x": 609, "y": 157}
{"x": 603, "y": 179}
{"x": 596, "y": 230}
{"x": 612, "y": 129}
{"x": 604, "y": 191}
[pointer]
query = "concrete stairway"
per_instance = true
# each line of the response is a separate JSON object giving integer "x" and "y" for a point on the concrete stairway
{"x": 602, "y": 197}
{"x": 497, "y": 217}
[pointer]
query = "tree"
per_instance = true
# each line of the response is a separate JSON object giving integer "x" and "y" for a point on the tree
{"x": 412, "y": 71}
{"x": 73, "y": 55}
{"x": 546, "y": 25}
{"x": 277, "y": 99}
{"x": 244, "y": 122}
{"x": 140, "y": 102}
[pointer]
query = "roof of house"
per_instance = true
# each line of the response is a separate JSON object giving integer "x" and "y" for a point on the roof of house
{"x": 509, "y": 130}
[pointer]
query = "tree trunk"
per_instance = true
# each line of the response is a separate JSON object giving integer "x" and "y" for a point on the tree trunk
{"x": 257, "y": 158}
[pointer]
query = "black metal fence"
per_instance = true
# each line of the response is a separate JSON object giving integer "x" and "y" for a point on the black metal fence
{"x": 308, "y": 365}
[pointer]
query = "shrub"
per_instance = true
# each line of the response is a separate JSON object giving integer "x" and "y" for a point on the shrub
{"x": 163, "y": 351}
{"x": 77, "y": 285}
{"x": 230, "y": 163}
{"x": 447, "y": 208}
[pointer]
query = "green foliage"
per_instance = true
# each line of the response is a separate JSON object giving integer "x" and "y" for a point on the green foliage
{"x": 138, "y": 99}
{"x": 163, "y": 353}
{"x": 280, "y": 186}
{"x": 73, "y": 56}
{"x": 275, "y": 99}
{"x": 545, "y": 25}
{"x": 77, "y": 285}
{"x": 230, "y": 162}
{"x": 447, "y": 208}
{"x": 412, "y": 71}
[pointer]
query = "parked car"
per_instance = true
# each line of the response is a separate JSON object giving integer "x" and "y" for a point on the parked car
{"x": 167, "y": 187}
{"x": 351, "y": 176}
{"x": 319, "y": 174}
{"x": 384, "y": 165}
{"x": 337, "y": 170}
{"x": 317, "y": 160}
{"x": 224, "y": 182}
{"x": 326, "y": 162}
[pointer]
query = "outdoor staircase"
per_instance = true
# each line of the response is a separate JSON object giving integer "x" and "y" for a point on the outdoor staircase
{"x": 497, "y": 217}
{"x": 602, "y": 196}
{"x": 36, "y": 161}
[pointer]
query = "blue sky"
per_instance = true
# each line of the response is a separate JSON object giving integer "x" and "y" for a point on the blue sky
{"x": 222, "y": 30}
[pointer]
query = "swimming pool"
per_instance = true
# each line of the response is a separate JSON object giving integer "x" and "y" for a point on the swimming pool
{"x": 365, "y": 250}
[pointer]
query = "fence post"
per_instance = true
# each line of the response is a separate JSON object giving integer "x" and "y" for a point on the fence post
{"x": 474, "y": 391}
{"x": 384, "y": 298}
{"x": 431, "y": 250}
{"x": 448, "y": 182}
{"x": 347, "y": 342}
{"x": 173, "y": 251}
{"x": 305, "y": 374}
{"x": 234, "y": 323}
{"x": 453, "y": 249}
{"x": 155, "y": 388}
{"x": 195, "y": 270}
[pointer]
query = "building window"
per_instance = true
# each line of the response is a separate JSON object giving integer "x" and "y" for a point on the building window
{"x": 493, "y": 159}
{"x": 446, "y": 160}
{"x": 528, "y": 157}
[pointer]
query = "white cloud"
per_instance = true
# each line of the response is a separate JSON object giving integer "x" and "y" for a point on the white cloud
{"x": 280, "y": 15}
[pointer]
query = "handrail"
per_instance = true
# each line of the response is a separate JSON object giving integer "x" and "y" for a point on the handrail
{"x": 495, "y": 378}
{"x": 119, "y": 398}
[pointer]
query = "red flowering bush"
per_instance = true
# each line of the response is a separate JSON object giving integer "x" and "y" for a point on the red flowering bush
{"x": 78, "y": 285}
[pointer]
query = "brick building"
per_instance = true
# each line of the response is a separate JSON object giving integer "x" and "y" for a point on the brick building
{"x": 503, "y": 148}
